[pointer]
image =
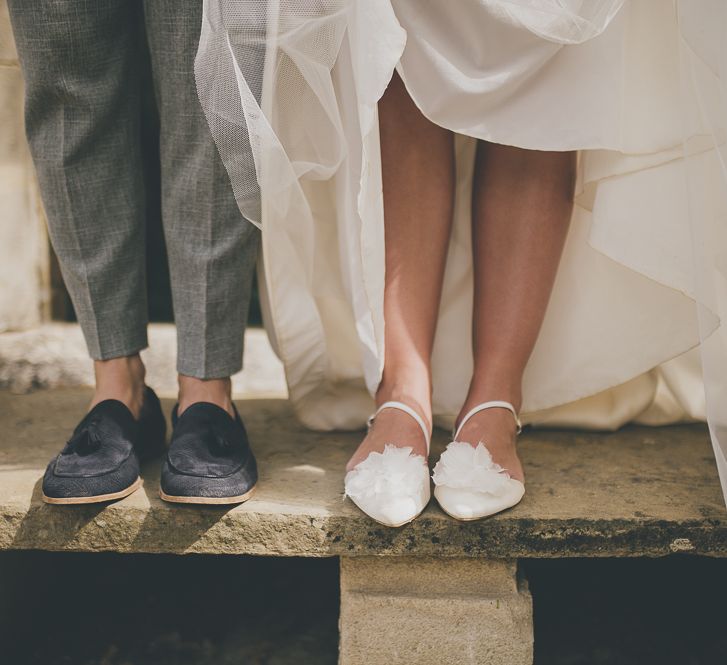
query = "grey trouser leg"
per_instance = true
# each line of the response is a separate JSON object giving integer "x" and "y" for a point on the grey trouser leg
{"x": 81, "y": 67}
{"x": 212, "y": 249}
{"x": 82, "y": 75}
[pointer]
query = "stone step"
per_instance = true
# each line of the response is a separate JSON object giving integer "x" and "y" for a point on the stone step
{"x": 54, "y": 355}
{"x": 636, "y": 492}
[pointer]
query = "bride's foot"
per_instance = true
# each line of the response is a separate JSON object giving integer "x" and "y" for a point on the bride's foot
{"x": 392, "y": 427}
{"x": 480, "y": 473}
{"x": 497, "y": 429}
{"x": 388, "y": 476}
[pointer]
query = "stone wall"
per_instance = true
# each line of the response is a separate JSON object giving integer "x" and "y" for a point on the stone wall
{"x": 24, "y": 256}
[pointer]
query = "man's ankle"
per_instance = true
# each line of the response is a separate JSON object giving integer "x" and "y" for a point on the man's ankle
{"x": 215, "y": 391}
{"x": 121, "y": 379}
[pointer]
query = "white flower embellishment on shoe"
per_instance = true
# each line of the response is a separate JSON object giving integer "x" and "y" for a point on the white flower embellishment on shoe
{"x": 392, "y": 487}
{"x": 469, "y": 485}
{"x": 387, "y": 474}
{"x": 462, "y": 466}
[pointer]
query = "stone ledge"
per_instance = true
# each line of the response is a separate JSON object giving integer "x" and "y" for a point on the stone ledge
{"x": 637, "y": 492}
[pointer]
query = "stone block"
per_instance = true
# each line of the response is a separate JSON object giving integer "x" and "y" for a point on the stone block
{"x": 24, "y": 256}
{"x": 13, "y": 145}
{"x": 398, "y": 611}
{"x": 7, "y": 43}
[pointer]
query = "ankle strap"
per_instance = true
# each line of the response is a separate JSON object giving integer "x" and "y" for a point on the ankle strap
{"x": 406, "y": 409}
{"x": 483, "y": 407}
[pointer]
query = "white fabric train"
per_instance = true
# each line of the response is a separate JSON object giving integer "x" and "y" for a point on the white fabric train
{"x": 613, "y": 79}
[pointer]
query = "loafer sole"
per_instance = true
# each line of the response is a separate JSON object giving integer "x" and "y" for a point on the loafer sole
{"x": 208, "y": 500}
{"x": 98, "y": 498}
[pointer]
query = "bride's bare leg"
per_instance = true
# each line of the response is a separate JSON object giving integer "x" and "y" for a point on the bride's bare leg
{"x": 522, "y": 203}
{"x": 418, "y": 180}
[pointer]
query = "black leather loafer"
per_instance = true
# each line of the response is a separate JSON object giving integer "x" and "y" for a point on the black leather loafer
{"x": 101, "y": 460}
{"x": 209, "y": 458}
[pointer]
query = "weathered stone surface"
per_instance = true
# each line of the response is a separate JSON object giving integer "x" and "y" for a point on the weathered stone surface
{"x": 401, "y": 610}
{"x": 23, "y": 239}
{"x": 640, "y": 491}
{"x": 8, "y": 56}
{"x": 54, "y": 355}
{"x": 397, "y": 576}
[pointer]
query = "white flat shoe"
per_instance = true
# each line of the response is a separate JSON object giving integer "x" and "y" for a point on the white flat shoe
{"x": 468, "y": 484}
{"x": 392, "y": 487}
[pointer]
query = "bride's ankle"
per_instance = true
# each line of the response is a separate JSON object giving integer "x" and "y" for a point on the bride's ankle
{"x": 413, "y": 390}
{"x": 501, "y": 393}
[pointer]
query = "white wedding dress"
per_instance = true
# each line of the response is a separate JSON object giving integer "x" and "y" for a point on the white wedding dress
{"x": 636, "y": 86}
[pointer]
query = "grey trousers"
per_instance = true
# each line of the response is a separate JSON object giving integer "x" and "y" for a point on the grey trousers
{"x": 82, "y": 67}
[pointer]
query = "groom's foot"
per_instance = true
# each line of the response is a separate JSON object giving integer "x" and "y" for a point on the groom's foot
{"x": 121, "y": 379}
{"x": 209, "y": 460}
{"x": 101, "y": 460}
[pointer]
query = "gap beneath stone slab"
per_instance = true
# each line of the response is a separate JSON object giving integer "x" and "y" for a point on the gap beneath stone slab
{"x": 111, "y": 609}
